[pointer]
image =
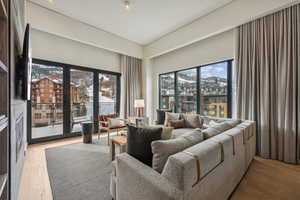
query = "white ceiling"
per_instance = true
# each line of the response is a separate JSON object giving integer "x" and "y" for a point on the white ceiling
{"x": 145, "y": 22}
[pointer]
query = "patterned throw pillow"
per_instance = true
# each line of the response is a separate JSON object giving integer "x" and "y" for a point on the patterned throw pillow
{"x": 177, "y": 123}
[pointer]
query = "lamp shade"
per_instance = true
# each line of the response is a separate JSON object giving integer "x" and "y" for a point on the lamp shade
{"x": 139, "y": 103}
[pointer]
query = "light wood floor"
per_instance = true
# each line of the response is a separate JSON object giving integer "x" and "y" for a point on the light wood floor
{"x": 265, "y": 179}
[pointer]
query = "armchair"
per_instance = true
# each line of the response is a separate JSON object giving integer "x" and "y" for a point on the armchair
{"x": 110, "y": 123}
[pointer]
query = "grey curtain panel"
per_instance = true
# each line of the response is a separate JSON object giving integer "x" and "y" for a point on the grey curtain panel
{"x": 132, "y": 83}
{"x": 268, "y": 82}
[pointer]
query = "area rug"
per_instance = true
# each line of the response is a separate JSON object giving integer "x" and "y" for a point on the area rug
{"x": 79, "y": 171}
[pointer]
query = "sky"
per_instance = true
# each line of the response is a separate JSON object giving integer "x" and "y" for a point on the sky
{"x": 219, "y": 70}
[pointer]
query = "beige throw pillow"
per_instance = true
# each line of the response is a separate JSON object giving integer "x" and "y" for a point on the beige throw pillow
{"x": 192, "y": 121}
{"x": 171, "y": 116}
{"x": 114, "y": 122}
{"x": 162, "y": 149}
{"x": 167, "y": 133}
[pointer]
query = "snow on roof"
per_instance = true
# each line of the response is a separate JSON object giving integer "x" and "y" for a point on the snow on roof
{"x": 187, "y": 81}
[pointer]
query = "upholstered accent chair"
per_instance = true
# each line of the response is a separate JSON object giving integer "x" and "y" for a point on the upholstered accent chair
{"x": 110, "y": 123}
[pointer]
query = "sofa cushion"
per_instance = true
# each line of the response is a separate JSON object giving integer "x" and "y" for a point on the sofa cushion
{"x": 216, "y": 129}
{"x": 177, "y": 123}
{"x": 178, "y": 132}
{"x": 171, "y": 116}
{"x": 185, "y": 169}
{"x": 162, "y": 149}
{"x": 192, "y": 121}
{"x": 234, "y": 122}
{"x": 139, "y": 142}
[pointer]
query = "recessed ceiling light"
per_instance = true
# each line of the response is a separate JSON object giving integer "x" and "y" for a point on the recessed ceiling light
{"x": 50, "y": 1}
{"x": 127, "y": 4}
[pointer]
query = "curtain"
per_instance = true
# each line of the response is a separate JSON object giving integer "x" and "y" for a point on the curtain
{"x": 132, "y": 84}
{"x": 268, "y": 82}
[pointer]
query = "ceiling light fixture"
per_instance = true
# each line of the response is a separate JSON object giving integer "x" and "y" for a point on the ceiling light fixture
{"x": 127, "y": 4}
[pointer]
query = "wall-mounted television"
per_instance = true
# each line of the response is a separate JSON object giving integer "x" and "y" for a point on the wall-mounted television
{"x": 23, "y": 69}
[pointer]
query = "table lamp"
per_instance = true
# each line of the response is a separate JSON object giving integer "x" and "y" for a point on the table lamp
{"x": 139, "y": 104}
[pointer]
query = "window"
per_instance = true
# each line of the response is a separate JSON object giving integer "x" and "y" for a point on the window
{"x": 167, "y": 91}
{"x": 187, "y": 91}
{"x": 38, "y": 116}
{"x": 214, "y": 90}
{"x": 205, "y": 90}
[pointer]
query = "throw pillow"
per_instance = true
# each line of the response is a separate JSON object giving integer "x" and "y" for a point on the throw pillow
{"x": 161, "y": 115}
{"x": 192, "y": 121}
{"x": 139, "y": 142}
{"x": 213, "y": 123}
{"x": 210, "y": 132}
{"x": 224, "y": 126}
{"x": 114, "y": 122}
{"x": 194, "y": 137}
{"x": 177, "y": 123}
{"x": 171, "y": 116}
{"x": 216, "y": 129}
{"x": 167, "y": 132}
{"x": 162, "y": 149}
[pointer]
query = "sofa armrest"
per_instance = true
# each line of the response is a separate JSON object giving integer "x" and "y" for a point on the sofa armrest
{"x": 138, "y": 181}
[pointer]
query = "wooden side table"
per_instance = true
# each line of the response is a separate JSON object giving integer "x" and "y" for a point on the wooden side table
{"x": 121, "y": 141}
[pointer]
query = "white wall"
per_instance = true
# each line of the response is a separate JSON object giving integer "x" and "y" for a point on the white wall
{"x": 54, "y": 48}
{"x": 223, "y": 19}
{"x": 52, "y": 22}
{"x": 214, "y": 49}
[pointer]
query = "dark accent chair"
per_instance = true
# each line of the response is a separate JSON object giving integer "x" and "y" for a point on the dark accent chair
{"x": 161, "y": 114}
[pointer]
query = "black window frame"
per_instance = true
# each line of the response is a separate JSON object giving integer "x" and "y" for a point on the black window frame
{"x": 67, "y": 132}
{"x": 229, "y": 85}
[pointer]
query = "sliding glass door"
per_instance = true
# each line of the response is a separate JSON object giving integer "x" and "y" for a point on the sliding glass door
{"x": 46, "y": 101}
{"x": 81, "y": 97}
{"x": 107, "y": 94}
{"x": 64, "y": 96}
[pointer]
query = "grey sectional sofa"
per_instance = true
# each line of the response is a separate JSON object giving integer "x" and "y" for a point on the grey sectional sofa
{"x": 209, "y": 170}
